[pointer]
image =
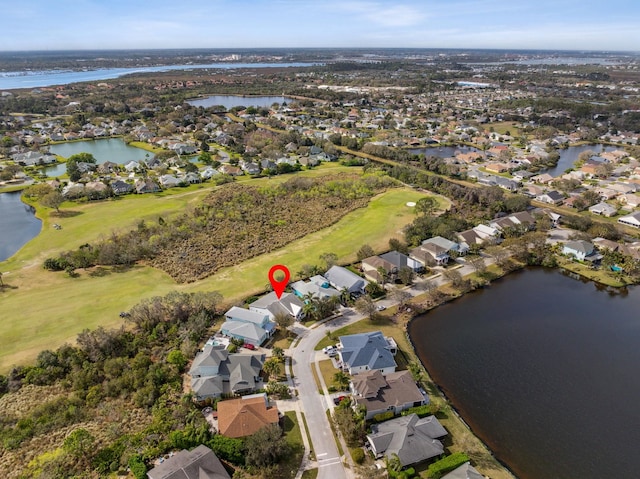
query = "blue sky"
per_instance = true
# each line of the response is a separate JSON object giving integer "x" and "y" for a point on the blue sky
{"x": 122, "y": 24}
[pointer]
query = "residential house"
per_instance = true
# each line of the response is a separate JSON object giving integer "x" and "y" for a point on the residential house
{"x": 317, "y": 286}
{"x": 544, "y": 179}
{"x": 379, "y": 270}
{"x": 469, "y": 238}
{"x": 451, "y": 246}
{"x": 603, "y": 209}
{"x": 209, "y": 172}
{"x": 497, "y": 167}
{"x": 250, "y": 326}
{"x": 487, "y": 234}
{"x": 590, "y": 169}
{"x": 607, "y": 193}
{"x": 73, "y": 190}
{"x": 522, "y": 221}
{"x": 579, "y": 249}
{"x": 605, "y": 244}
{"x": 96, "y": 190}
{"x": 341, "y": 278}
{"x": 191, "y": 178}
{"x": 630, "y": 200}
{"x": 412, "y": 439}
{"x": 532, "y": 191}
{"x": 132, "y": 166}
{"x": 108, "y": 167}
{"x": 430, "y": 254}
{"x": 400, "y": 260}
{"x": 169, "y": 181}
{"x": 522, "y": 175}
{"x": 551, "y": 197}
{"x": 288, "y": 304}
{"x": 230, "y": 170}
{"x": 631, "y": 220}
{"x": 200, "y": 463}
{"x": 466, "y": 471}
{"x": 250, "y": 168}
{"x": 246, "y": 415}
{"x": 395, "y": 392}
{"x": 146, "y": 186}
{"x": 268, "y": 165}
{"x": 506, "y": 183}
{"x": 120, "y": 187}
{"x": 33, "y": 158}
{"x": 367, "y": 352}
{"x": 215, "y": 372}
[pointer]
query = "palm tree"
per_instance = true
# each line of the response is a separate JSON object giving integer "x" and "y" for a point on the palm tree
{"x": 309, "y": 309}
{"x": 272, "y": 367}
{"x": 278, "y": 353}
{"x": 342, "y": 380}
{"x": 345, "y": 296}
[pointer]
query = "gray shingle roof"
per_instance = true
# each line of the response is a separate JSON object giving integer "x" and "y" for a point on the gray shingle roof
{"x": 366, "y": 349}
{"x": 411, "y": 438}
{"x": 340, "y": 278}
{"x": 201, "y": 463}
{"x": 466, "y": 471}
{"x": 239, "y": 370}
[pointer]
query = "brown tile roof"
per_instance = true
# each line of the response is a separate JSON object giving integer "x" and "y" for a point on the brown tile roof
{"x": 245, "y": 416}
{"x": 400, "y": 389}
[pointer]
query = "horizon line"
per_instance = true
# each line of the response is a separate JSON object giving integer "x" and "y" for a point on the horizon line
{"x": 143, "y": 49}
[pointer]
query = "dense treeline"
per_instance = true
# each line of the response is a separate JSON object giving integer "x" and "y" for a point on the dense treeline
{"x": 122, "y": 388}
{"x": 230, "y": 226}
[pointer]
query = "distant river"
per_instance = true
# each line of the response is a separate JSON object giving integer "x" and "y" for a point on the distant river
{"x": 35, "y": 79}
{"x": 545, "y": 370}
{"x": 18, "y": 224}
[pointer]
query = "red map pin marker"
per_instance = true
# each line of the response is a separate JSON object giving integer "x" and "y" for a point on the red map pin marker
{"x": 279, "y": 286}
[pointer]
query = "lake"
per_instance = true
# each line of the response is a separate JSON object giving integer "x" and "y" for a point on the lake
{"x": 111, "y": 149}
{"x": 569, "y": 155}
{"x": 545, "y": 370}
{"x": 18, "y": 224}
{"x": 35, "y": 79}
{"x": 231, "y": 101}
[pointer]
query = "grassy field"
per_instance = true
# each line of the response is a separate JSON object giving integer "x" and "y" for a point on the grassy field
{"x": 293, "y": 436}
{"x": 43, "y": 310}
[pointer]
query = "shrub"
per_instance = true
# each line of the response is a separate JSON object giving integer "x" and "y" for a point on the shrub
{"x": 446, "y": 464}
{"x": 138, "y": 467}
{"x": 357, "y": 455}
{"x": 383, "y": 416}
{"x": 228, "y": 448}
{"x": 55, "y": 264}
{"x": 420, "y": 411}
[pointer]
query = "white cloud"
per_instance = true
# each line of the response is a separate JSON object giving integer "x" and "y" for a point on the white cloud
{"x": 382, "y": 14}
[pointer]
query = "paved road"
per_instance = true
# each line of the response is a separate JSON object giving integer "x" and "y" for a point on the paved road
{"x": 313, "y": 403}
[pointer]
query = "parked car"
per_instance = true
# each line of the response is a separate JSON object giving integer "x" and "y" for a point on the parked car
{"x": 338, "y": 399}
{"x": 249, "y": 346}
{"x": 330, "y": 351}
{"x": 381, "y": 307}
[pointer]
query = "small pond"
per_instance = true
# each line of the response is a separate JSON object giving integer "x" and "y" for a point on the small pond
{"x": 231, "y": 101}
{"x": 18, "y": 224}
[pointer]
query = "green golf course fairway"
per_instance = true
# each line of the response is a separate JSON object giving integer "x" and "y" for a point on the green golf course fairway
{"x": 43, "y": 310}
